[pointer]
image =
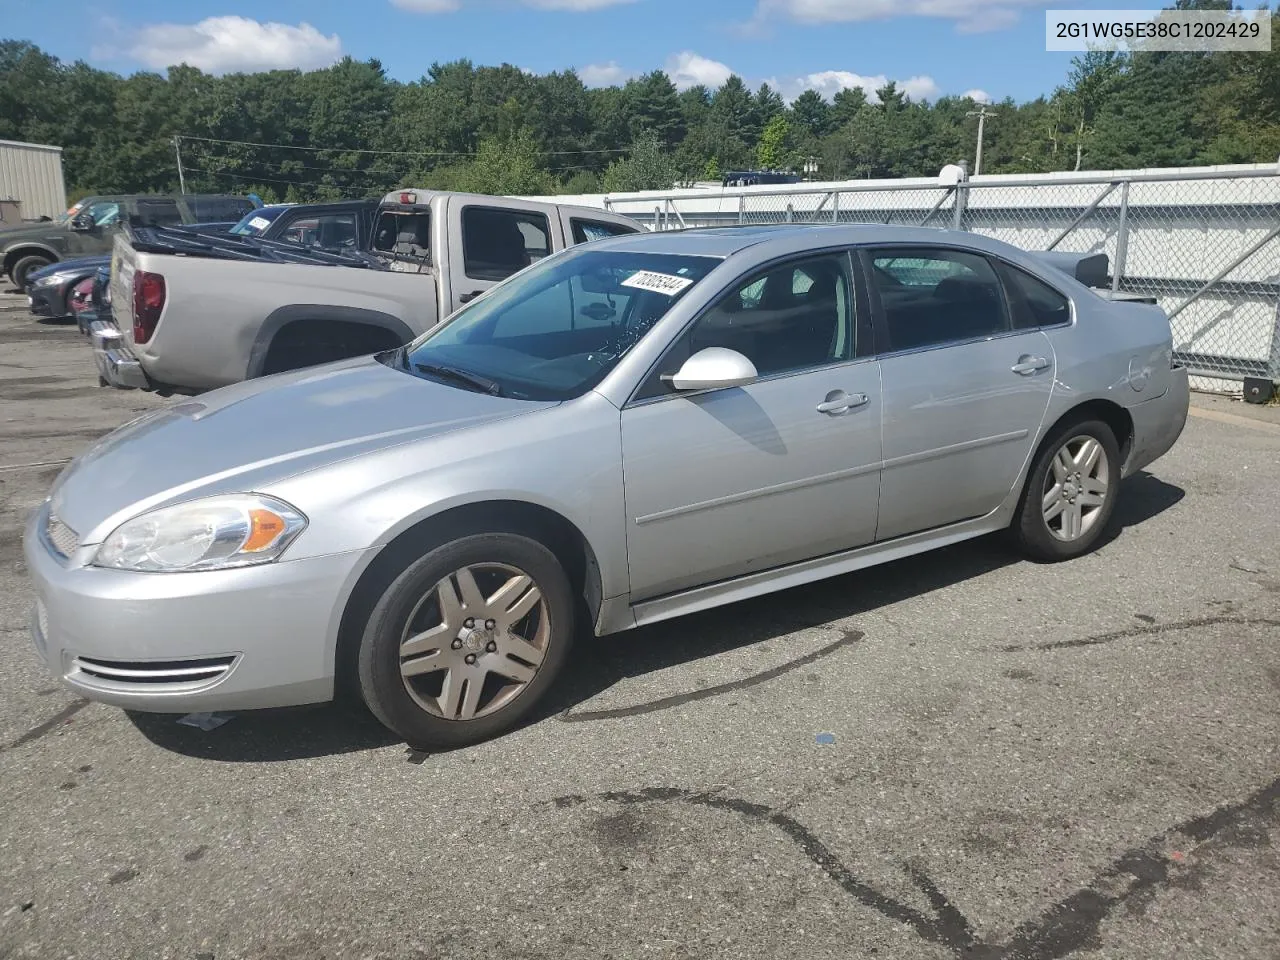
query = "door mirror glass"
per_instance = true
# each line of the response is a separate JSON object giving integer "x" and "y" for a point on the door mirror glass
{"x": 82, "y": 221}
{"x": 714, "y": 367}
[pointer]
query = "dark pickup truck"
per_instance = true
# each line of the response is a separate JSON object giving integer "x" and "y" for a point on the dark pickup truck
{"x": 90, "y": 227}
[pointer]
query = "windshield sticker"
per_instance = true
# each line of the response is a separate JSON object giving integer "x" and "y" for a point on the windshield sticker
{"x": 657, "y": 282}
{"x": 259, "y": 223}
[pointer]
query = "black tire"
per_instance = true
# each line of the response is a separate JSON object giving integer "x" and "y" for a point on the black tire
{"x": 383, "y": 689}
{"x": 1031, "y": 530}
{"x": 25, "y": 266}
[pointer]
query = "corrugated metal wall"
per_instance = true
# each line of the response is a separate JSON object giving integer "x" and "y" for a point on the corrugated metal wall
{"x": 32, "y": 174}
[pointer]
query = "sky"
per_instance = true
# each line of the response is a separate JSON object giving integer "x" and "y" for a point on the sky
{"x": 988, "y": 49}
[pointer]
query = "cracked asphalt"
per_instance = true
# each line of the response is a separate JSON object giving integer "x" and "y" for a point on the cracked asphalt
{"x": 957, "y": 755}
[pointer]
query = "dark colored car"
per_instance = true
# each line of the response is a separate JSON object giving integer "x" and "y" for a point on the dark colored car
{"x": 338, "y": 226}
{"x": 90, "y": 227}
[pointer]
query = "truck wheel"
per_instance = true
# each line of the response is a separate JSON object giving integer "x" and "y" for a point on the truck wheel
{"x": 25, "y": 266}
{"x": 466, "y": 640}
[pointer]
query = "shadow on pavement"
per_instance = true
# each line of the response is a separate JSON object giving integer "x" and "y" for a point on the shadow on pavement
{"x": 598, "y": 664}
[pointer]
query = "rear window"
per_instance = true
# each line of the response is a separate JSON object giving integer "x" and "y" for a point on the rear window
{"x": 256, "y": 221}
{"x": 219, "y": 209}
{"x": 158, "y": 212}
{"x": 405, "y": 235}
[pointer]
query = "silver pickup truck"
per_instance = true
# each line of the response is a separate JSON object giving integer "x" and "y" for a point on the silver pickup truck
{"x": 190, "y": 317}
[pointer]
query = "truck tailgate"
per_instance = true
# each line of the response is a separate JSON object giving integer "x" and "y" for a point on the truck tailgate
{"x": 123, "y": 267}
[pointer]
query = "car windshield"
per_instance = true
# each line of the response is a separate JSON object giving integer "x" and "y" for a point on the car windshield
{"x": 554, "y": 330}
{"x": 255, "y": 221}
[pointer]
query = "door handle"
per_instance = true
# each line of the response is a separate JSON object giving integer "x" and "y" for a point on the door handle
{"x": 1027, "y": 365}
{"x": 839, "y": 402}
{"x": 468, "y": 297}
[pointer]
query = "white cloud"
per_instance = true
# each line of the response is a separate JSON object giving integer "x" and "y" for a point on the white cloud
{"x": 830, "y": 82}
{"x": 977, "y": 95}
{"x": 227, "y": 44}
{"x": 427, "y": 6}
{"x": 603, "y": 74}
{"x": 688, "y": 69}
{"x": 970, "y": 16}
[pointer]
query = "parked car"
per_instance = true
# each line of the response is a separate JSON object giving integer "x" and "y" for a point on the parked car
{"x": 627, "y": 431}
{"x": 90, "y": 227}
{"x": 197, "y": 316}
{"x": 340, "y": 225}
{"x": 49, "y": 288}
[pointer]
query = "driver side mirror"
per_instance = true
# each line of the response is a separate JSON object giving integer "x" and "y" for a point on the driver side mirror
{"x": 82, "y": 222}
{"x": 711, "y": 368}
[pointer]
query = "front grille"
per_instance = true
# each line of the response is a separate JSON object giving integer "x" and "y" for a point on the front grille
{"x": 62, "y": 538}
{"x": 155, "y": 671}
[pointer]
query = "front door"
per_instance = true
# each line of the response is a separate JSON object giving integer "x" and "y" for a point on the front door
{"x": 723, "y": 483}
{"x": 964, "y": 390}
{"x": 498, "y": 238}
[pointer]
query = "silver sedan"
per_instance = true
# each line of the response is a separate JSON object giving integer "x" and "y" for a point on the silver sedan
{"x": 627, "y": 431}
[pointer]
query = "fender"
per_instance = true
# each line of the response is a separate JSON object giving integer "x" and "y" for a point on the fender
{"x": 282, "y": 316}
{"x": 21, "y": 248}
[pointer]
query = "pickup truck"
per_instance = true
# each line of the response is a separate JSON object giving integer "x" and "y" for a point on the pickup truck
{"x": 90, "y": 227}
{"x": 188, "y": 318}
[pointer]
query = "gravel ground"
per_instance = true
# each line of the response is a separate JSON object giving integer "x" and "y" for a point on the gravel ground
{"x": 956, "y": 755}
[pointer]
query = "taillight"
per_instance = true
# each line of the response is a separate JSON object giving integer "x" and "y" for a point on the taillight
{"x": 407, "y": 198}
{"x": 148, "y": 301}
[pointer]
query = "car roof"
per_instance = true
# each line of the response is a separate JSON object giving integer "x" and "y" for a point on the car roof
{"x": 784, "y": 238}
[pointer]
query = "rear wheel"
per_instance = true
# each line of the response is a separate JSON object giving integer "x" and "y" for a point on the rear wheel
{"x": 1070, "y": 493}
{"x": 466, "y": 640}
{"x": 25, "y": 266}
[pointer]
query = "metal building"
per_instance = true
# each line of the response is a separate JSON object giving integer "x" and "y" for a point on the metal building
{"x": 31, "y": 176}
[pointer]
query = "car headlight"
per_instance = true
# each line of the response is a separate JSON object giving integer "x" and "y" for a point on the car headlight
{"x": 52, "y": 280}
{"x": 211, "y": 534}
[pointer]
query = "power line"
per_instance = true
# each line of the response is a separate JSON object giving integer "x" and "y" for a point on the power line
{"x": 390, "y": 153}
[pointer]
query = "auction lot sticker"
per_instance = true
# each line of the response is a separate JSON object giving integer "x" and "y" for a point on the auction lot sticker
{"x": 657, "y": 282}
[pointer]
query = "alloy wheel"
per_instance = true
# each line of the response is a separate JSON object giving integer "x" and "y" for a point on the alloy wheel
{"x": 1075, "y": 488}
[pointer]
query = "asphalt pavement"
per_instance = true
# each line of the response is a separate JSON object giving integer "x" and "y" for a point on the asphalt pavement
{"x": 960, "y": 755}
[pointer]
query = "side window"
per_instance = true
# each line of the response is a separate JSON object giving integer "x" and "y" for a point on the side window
{"x": 935, "y": 296}
{"x": 331, "y": 232}
{"x": 497, "y": 243}
{"x": 584, "y": 231}
{"x": 789, "y": 318}
{"x": 1034, "y": 302}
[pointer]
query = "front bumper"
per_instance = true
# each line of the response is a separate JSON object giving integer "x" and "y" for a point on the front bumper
{"x": 1158, "y": 422}
{"x": 241, "y": 639}
{"x": 48, "y": 301}
{"x": 116, "y": 363}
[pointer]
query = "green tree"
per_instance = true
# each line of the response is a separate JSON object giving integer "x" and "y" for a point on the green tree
{"x": 511, "y": 165}
{"x": 774, "y": 152}
{"x": 648, "y": 167}
{"x": 811, "y": 113}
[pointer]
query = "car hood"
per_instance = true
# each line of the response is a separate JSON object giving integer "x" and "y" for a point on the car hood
{"x": 243, "y": 437}
{"x": 37, "y": 229}
{"x": 80, "y": 265}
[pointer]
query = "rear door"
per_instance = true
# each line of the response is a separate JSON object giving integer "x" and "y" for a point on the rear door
{"x": 965, "y": 389}
{"x": 489, "y": 240}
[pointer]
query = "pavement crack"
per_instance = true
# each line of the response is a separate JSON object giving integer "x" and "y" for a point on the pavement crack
{"x": 847, "y": 638}
{"x": 1144, "y": 630}
{"x": 1132, "y": 880}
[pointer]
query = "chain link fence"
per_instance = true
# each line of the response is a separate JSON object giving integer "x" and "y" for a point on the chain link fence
{"x": 1205, "y": 244}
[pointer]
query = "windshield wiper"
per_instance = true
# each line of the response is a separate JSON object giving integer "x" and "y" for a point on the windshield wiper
{"x": 472, "y": 380}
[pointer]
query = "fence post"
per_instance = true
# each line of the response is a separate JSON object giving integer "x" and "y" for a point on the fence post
{"x": 835, "y": 206}
{"x": 790, "y": 213}
{"x": 657, "y": 218}
{"x": 742, "y": 208}
{"x": 957, "y": 207}
{"x": 1122, "y": 238}
{"x": 608, "y": 204}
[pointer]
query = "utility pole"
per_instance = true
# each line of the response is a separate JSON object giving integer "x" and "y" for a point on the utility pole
{"x": 177, "y": 152}
{"x": 982, "y": 115}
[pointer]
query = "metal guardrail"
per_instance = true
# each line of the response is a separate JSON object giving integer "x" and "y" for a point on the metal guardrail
{"x": 1205, "y": 243}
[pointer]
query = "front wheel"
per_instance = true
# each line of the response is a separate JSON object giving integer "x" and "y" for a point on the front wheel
{"x": 1070, "y": 493}
{"x": 26, "y": 266}
{"x": 466, "y": 640}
